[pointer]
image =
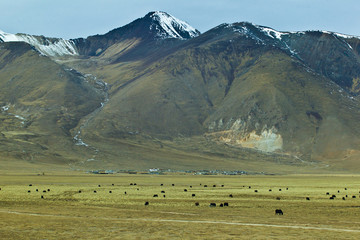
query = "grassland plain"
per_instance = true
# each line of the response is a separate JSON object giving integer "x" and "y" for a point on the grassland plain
{"x": 66, "y": 213}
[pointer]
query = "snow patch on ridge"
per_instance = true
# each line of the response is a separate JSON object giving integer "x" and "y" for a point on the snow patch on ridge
{"x": 340, "y": 34}
{"x": 245, "y": 31}
{"x": 261, "y": 33}
{"x": 46, "y": 46}
{"x": 277, "y": 34}
{"x": 272, "y": 33}
{"x": 172, "y": 27}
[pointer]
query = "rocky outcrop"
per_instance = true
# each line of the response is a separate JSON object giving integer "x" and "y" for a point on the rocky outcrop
{"x": 236, "y": 133}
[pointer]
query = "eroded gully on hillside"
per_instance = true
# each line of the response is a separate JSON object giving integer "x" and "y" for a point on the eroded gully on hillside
{"x": 99, "y": 84}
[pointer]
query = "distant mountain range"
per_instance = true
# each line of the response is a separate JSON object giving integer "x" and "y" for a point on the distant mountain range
{"x": 158, "y": 93}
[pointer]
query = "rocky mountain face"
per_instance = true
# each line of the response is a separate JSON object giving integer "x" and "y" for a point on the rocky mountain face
{"x": 156, "y": 92}
{"x": 143, "y": 36}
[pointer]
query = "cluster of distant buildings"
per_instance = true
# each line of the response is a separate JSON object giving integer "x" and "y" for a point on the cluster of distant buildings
{"x": 158, "y": 171}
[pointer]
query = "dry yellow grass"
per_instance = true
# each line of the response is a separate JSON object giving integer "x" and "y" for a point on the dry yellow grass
{"x": 64, "y": 213}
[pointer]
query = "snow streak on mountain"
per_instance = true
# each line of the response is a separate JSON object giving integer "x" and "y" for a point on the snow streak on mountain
{"x": 46, "y": 46}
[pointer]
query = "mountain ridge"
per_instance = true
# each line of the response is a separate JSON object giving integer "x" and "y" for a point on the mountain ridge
{"x": 161, "y": 100}
{"x": 163, "y": 19}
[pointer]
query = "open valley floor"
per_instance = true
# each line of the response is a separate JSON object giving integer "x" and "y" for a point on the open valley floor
{"x": 89, "y": 206}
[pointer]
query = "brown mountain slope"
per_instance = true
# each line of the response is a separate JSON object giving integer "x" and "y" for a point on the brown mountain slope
{"x": 41, "y": 102}
{"x": 232, "y": 91}
{"x": 239, "y": 96}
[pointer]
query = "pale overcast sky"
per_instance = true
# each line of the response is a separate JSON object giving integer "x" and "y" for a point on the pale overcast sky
{"x": 81, "y": 18}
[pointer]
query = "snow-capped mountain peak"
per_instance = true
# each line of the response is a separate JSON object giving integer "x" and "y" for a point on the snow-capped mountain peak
{"x": 167, "y": 26}
{"x": 46, "y": 46}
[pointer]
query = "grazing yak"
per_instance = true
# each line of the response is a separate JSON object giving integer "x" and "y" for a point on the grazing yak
{"x": 279, "y": 212}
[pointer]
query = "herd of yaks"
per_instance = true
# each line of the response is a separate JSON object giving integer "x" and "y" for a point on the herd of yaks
{"x": 212, "y": 204}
